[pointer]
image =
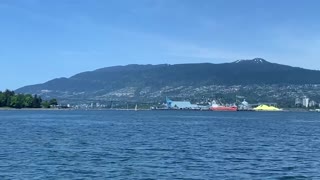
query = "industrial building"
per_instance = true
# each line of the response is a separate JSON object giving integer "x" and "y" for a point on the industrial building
{"x": 180, "y": 104}
{"x": 245, "y": 106}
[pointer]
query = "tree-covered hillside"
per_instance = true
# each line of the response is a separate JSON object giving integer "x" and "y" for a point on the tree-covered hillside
{"x": 150, "y": 82}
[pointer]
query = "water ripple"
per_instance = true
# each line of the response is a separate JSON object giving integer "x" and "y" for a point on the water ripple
{"x": 158, "y": 145}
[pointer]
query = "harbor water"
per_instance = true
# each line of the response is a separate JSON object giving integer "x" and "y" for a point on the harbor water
{"x": 159, "y": 145}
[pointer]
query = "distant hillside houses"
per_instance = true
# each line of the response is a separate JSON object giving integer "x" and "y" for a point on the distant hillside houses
{"x": 257, "y": 79}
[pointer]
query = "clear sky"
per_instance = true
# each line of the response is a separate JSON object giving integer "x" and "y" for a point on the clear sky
{"x": 45, "y": 39}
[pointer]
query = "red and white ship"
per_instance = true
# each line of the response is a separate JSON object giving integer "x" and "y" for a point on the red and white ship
{"x": 217, "y": 107}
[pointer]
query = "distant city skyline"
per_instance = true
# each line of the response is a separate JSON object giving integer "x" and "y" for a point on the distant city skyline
{"x": 41, "y": 39}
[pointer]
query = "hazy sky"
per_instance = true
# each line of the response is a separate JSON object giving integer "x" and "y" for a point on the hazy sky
{"x": 45, "y": 39}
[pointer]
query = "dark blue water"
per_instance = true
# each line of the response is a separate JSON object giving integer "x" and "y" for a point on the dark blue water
{"x": 159, "y": 145}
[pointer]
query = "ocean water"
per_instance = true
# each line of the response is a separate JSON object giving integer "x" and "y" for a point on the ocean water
{"x": 159, "y": 145}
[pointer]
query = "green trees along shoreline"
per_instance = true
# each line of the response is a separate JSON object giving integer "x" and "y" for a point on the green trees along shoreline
{"x": 11, "y": 99}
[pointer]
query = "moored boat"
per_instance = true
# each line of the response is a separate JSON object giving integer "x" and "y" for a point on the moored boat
{"x": 217, "y": 107}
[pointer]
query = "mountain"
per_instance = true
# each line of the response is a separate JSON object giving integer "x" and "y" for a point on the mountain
{"x": 150, "y": 82}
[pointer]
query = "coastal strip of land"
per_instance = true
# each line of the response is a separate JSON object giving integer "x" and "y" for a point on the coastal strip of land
{"x": 33, "y": 109}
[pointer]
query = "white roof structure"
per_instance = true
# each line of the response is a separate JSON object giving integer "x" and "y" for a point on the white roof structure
{"x": 181, "y": 104}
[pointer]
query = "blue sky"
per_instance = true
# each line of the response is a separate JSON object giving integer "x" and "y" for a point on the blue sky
{"x": 43, "y": 39}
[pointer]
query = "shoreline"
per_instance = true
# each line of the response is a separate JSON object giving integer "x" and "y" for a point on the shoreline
{"x": 33, "y": 109}
{"x": 72, "y": 109}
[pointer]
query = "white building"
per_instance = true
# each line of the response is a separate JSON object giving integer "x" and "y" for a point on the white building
{"x": 180, "y": 105}
{"x": 312, "y": 104}
{"x": 305, "y": 102}
{"x": 244, "y": 105}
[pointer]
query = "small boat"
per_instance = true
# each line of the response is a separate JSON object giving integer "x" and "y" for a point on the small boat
{"x": 217, "y": 107}
{"x": 136, "y": 108}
